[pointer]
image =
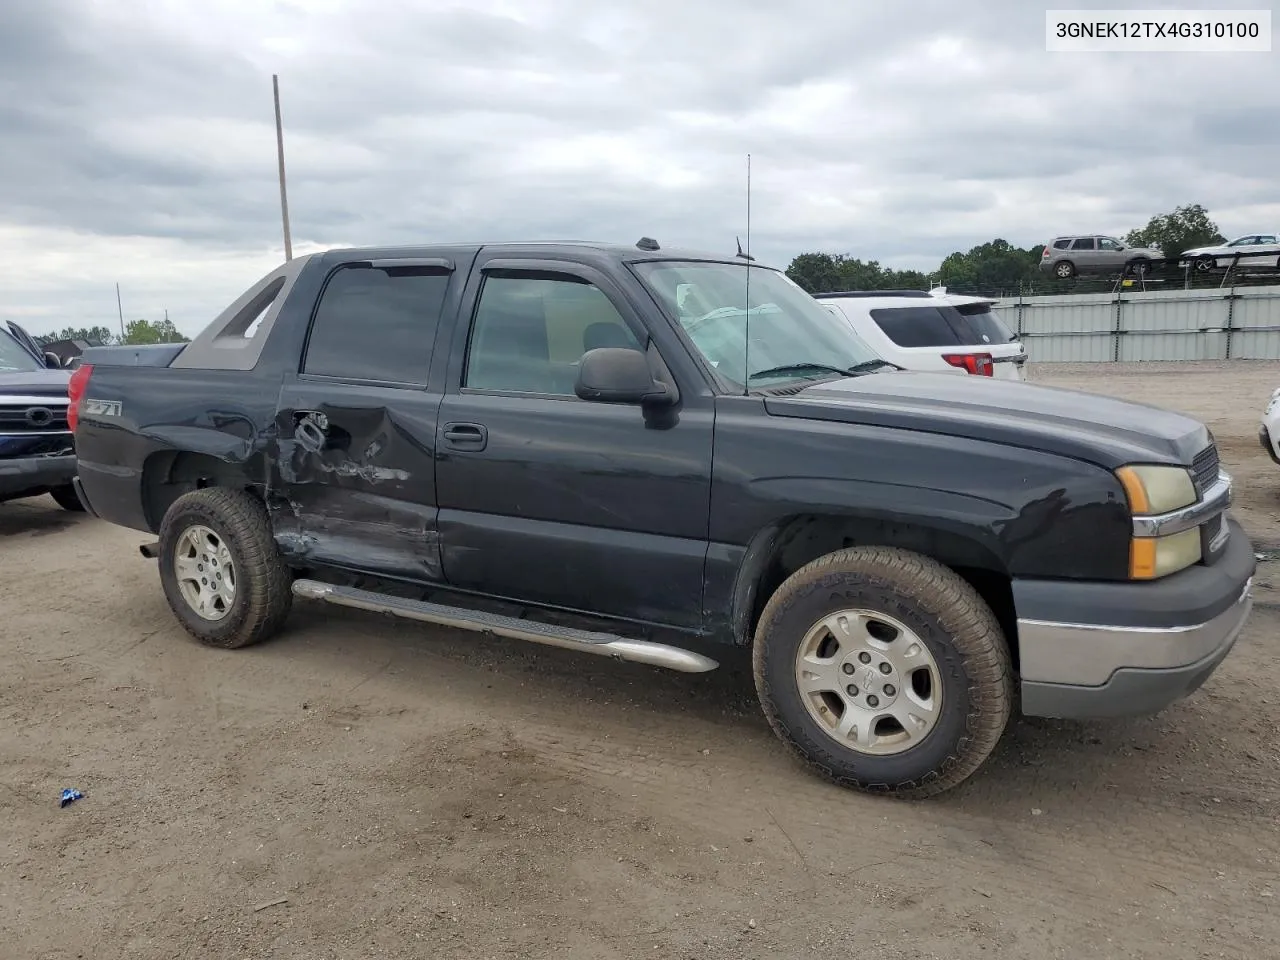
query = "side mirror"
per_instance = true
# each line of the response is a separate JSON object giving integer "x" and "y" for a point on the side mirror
{"x": 52, "y": 360}
{"x": 619, "y": 375}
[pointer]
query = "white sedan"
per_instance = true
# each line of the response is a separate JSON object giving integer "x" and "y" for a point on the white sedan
{"x": 1264, "y": 245}
{"x": 1269, "y": 431}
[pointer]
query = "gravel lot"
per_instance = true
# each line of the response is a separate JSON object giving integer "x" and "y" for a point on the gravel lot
{"x": 424, "y": 793}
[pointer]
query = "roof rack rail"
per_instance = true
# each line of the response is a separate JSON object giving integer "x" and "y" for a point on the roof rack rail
{"x": 834, "y": 294}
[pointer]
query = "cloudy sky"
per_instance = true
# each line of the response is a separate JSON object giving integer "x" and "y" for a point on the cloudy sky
{"x": 137, "y": 140}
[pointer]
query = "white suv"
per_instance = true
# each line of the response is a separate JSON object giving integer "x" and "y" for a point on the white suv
{"x": 937, "y": 331}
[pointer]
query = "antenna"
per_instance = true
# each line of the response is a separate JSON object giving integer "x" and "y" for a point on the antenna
{"x": 746, "y": 316}
{"x": 284, "y": 198}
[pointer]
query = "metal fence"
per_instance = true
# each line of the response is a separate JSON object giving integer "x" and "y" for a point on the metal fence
{"x": 1235, "y": 323}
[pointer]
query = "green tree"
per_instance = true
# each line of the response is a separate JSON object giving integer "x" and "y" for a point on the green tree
{"x": 1172, "y": 233}
{"x": 100, "y": 335}
{"x": 994, "y": 266}
{"x": 139, "y": 332}
{"x": 826, "y": 272}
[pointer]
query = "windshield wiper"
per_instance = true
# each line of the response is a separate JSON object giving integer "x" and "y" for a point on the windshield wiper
{"x": 866, "y": 366}
{"x": 799, "y": 368}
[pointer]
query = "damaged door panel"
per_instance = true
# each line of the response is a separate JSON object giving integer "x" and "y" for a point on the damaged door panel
{"x": 357, "y": 486}
{"x": 355, "y": 470}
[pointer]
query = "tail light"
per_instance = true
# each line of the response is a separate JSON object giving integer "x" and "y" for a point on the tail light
{"x": 75, "y": 393}
{"x": 1045, "y": 255}
{"x": 979, "y": 364}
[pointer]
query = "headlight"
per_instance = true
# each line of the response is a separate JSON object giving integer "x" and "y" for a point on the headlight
{"x": 1153, "y": 490}
{"x": 1154, "y": 557}
{"x": 1156, "y": 489}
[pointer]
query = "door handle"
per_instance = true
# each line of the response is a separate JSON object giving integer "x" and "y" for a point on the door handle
{"x": 466, "y": 436}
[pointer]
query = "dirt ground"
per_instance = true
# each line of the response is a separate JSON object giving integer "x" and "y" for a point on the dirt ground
{"x": 424, "y": 793}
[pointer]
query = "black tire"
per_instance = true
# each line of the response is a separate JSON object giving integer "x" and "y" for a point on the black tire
{"x": 1139, "y": 266}
{"x": 263, "y": 582}
{"x": 1064, "y": 270}
{"x": 945, "y": 612}
{"x": 1206, "y": 264}
{"x": 65, "y": 497}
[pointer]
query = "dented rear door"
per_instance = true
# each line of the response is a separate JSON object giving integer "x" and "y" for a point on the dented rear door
{"x": 355, "y": 472}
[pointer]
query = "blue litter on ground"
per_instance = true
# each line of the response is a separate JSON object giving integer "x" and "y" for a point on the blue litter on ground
{"x": 69, "y": 796}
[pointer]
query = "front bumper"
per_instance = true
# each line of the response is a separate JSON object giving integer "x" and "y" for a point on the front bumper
{"x": 1142, "y": 646}
{"x": 1268, "y": 444}
{"x": 29, "y": 476}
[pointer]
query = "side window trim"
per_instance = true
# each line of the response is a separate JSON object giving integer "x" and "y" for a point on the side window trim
{"x": 549, "y": 268}
{"x": 441, "y": 265}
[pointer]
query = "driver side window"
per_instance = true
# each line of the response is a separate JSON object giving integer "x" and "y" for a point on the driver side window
{"x": 531, "y": 330}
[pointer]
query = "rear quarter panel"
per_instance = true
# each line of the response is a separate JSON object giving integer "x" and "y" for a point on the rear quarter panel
{"x": 225, "y": 414}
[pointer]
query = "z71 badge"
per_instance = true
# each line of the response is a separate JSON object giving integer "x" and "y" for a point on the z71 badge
{"x": 99, "y": 408}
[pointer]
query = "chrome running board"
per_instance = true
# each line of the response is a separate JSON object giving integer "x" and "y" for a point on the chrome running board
{"x": 603, "y": 644}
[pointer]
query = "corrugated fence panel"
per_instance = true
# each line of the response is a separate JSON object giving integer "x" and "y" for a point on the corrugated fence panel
{"x": 1169, "y": 325}
{"x": 1153, "y": 325}
{"x": 1256, "y": 323}
{"x": 1065, "y": 328}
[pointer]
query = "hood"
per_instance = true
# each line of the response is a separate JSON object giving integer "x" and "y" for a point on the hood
{"x": 34, "y": 383}
{"x": 1071, "y": 423}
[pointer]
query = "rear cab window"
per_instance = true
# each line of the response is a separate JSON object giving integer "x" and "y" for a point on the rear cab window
{"x": 377, "y": 324}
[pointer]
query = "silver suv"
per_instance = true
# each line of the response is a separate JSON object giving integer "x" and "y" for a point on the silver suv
{"x": 1068, "y": 256}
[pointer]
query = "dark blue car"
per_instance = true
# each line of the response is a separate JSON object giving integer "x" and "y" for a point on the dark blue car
{"x": 37, "y": 452}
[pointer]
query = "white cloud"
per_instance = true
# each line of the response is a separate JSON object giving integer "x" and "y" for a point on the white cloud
{"x": 139, "y": 140}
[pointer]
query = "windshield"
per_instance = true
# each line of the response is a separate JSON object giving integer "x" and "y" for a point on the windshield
{"x": 788, "y": 328}
{"x": 12, "y": 356}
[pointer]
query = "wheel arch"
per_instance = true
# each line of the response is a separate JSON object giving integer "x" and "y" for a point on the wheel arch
{"x": 168, "y": 474}
{"x": 786, "y": 545}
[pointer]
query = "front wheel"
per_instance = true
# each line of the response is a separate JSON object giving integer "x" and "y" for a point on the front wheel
{"x": 220, "y": 569}
{"x": 885, "y": 671}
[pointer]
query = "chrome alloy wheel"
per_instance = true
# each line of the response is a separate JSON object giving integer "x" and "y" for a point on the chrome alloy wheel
{"x": 205, "y": 572}
{"x": 869, "y": 682}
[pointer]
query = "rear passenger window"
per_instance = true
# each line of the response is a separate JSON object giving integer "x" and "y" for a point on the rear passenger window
{"x": 916, "y": 326}
{"x": 1084, "y": 243}
{"x": 531, "y": 330}
{"x": 377, "y": 323}
{"x": 1061, "y": 244}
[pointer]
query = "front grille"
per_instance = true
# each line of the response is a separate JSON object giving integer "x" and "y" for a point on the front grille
{"x": 33, "y": 418}
{"x": 1204, "y": 468}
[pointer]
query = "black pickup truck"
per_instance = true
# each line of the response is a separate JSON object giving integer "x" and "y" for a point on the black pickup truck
{"x": 667, "y": 457}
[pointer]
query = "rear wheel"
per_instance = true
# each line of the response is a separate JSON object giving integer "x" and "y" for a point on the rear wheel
{"x": 1065, "y": 269}
{"x": 65, "y": 497}
{"x": 884, "y": 670}
{"x": 220, "y": 569}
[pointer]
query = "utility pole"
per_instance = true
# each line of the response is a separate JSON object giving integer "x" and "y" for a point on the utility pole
{"x": 120, "y": 310}
{"x": 284, "y": 198}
